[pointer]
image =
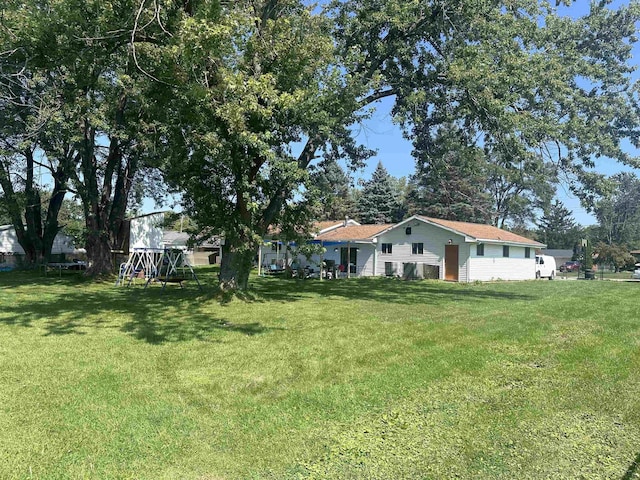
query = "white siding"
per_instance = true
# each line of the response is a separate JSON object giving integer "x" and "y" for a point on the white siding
{"x": 146, "y": 231}
{"x": 364, "y": 257}
{"x": 464, "y": 262}
{"x": 493, "y": 266}
{"x": 270, "y": 256}
{"x": 62, "y": 244}
{"x": 433, "y": 239}
{"x": 9, "y": 243}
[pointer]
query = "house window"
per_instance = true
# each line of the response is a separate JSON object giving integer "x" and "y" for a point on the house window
{"x": 505, "y": 250}
{"x": 275, "y": 247}
{"x": 527, "y": 252}
{"x": 480, "y": 250}
{"x": 417, "y": 248}
{"x": 389, "y": 269}
{"x": 407, "y": 231}
{"x": 386, "y": 247}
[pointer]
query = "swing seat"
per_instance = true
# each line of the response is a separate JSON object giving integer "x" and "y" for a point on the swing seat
{"x": 172, "y": 279}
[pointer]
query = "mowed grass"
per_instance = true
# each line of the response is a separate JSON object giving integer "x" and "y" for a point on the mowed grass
{"x": 369, "y": 378}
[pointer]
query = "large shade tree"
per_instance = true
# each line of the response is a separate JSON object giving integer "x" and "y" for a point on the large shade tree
{"x": 541, "y": 94}
{"x": 74, "y": 92}
{"x": 30, "y": 204}
{"x": 254, "y": 77}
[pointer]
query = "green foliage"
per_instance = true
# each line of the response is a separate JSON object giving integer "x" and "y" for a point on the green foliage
{"x": 179, "y": 222}
{"x": 617, "y": 208}
{"x": 535, "y": 90}
{"x": 450, "y": 179}
{"x": 378, "y": 201}
{"x": 333, "y": 191}
{"x": 557, "y": 228}
{"x": 616, "y": 255}
{"x": 251, "y": 79}
{"x": 72, "y": 83}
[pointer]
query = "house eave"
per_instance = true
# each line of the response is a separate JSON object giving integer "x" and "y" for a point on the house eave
{"x": 509, "y": 243}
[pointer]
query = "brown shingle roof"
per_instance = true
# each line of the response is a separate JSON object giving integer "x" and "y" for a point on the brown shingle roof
{"x": 320, "y": 226}
{"x": 353, "y": 233}
{"x": 315, "y": 227}
{"x": 482, "y": 232}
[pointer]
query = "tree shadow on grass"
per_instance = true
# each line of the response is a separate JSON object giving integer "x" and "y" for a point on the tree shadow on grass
{"x": 385, "y": 290}
{"x": 198, "y": 327}
{"x": 632, "y": 470}
{"x": 150, "y": 315}
{"x": 72, "y": 305}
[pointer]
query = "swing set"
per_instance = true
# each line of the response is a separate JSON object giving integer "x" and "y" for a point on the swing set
{"x": 168, "y": 265}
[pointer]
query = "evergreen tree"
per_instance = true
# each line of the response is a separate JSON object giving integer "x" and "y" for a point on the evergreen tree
{"x": 378, "y": 201}
{"x": 402, "y": 188}
{"x": 557, "y": 228}
{"x": 333, "y": 191}
{"x": 450, "y": 177}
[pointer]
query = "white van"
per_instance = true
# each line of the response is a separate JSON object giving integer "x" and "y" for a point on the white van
{"x": 545, "y": 267}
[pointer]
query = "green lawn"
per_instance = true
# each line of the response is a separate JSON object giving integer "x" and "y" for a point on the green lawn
{"x": 370, "y": 379}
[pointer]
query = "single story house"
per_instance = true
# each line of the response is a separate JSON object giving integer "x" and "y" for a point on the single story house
{"x": 207, "y": 252}
{"x": 11, "y": 252}
{"x": 424, "y": 247}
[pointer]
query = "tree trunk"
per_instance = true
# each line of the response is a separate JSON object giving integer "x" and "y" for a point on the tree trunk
{"x": 98, "y": 253}
{"x": 235, "y": 267}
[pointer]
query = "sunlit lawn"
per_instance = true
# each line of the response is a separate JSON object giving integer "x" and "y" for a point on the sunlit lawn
{"x": 371, "y": 378}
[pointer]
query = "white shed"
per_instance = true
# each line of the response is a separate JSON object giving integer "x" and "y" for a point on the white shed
{"x": 146, "y": 231}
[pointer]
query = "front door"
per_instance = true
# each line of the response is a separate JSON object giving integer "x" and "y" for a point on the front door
{"x": 451, "y": 262}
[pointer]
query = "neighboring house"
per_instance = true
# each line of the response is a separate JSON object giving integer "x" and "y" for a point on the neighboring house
{"x": 423, "y": 247}
{"x": 561, "y": 256}
{"x": 636, "y": 254}
{"x": 207, "y": 252}
{"x": 11, "y": 253}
